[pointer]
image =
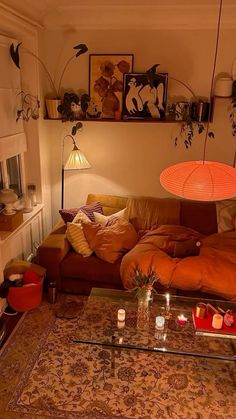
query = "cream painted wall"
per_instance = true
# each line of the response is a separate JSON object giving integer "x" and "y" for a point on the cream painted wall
{"x": 127, "y": 158}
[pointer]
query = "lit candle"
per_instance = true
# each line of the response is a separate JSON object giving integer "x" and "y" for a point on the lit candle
{"x": 167, "y": 300}
{"x": 182, "y": 320}
{"x": 120, "y": 340}
{"x": 217, "y": 321}
{"x": 160, "y": 322}
{"x": 121, "y": 315}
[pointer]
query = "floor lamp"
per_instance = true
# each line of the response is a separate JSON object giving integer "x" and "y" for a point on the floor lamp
{"x": 75, "y": 161}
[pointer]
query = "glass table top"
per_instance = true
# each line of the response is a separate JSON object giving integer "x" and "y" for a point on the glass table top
{"x": 98, "y": 325}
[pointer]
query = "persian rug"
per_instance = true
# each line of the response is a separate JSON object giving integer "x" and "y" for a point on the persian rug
{"x": 44, "y": 374}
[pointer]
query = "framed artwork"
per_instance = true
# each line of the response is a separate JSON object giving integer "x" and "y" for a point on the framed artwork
{"x": 143, "y": 99}
{"x": 106, "y": 73}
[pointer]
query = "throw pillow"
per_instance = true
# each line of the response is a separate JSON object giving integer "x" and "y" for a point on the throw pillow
{"x": 69, "y": 214}
{"x": 111, "y": 242}
{"x": 81, "y": 217}
{"x": 226, "y": 213}
{"x": 109, "y": 219}
{"x": 76, "y": 238}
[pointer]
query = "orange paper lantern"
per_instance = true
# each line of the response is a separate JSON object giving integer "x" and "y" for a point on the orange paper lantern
{"x": 200, "y": 180}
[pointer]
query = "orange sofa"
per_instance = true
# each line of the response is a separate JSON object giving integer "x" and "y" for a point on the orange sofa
{"x": 77, "y": 274}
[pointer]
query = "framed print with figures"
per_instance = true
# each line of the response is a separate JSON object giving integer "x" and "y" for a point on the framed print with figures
{"x": 142, "y": 99}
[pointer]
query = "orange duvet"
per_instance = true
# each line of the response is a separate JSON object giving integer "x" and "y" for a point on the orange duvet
{"x": 212, "y": 271}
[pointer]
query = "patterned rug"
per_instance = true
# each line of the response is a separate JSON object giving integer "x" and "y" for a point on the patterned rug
{"x": 43, "y": 374}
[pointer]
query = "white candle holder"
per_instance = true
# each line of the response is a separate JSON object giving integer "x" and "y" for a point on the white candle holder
{"x": 120, "y": 325}
{"x": 121, "y": 315}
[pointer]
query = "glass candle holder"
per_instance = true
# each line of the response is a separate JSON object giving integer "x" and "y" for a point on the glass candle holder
{"x": 160, "y": 322}
{"x": 182, "y": 320}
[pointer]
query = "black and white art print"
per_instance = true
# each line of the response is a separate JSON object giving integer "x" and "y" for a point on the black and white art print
{"x": 142, "y": 99}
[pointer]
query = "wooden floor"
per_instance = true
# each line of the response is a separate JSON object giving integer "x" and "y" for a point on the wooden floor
{"x": 10, "y": 322}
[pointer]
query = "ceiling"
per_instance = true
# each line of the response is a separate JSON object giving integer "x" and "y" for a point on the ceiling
{"x": 57, "y": 13}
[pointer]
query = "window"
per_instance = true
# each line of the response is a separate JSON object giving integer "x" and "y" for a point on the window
{"x": 14, "y": 174}
{"x": 10, "y": 174}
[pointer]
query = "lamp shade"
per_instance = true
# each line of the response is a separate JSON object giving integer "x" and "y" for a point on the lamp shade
{"x": 8, "y": 197}
{"x": 76, "y": 160}
{"x": 200, "y": 180}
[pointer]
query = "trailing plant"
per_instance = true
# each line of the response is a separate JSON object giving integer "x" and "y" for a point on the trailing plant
{"x": 15, "y": 55}
{"x": 232, "y": 116}
{"x": 188, "y": 125}
{"x": 29, "y": 107}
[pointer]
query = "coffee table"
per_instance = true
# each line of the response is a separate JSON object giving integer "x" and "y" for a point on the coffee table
{"x": 98, "y": 326}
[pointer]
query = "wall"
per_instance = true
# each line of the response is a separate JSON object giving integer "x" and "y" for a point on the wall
{"x": 127, "y": 158}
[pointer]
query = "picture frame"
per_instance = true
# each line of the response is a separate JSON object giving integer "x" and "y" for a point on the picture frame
{"x": 106, "y": 73}
{"x": 145, "y": 98}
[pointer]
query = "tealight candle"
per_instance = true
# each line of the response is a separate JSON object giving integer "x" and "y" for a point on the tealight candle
{"x": 182, "y": 320}
{"x": 121, "y": 315}
{"x": 217, "y": 321}
{"x": 160, "y": 322}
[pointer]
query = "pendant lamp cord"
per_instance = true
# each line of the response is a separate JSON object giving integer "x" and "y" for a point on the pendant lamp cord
{"x": 213, "y": 78}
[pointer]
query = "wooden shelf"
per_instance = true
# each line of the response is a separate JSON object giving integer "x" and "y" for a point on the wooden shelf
{"x": 145, "y": 120}
{"x": 128, "y": 121}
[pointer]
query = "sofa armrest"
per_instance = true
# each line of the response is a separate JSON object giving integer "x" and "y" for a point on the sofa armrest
{"x": 50, "y": 254}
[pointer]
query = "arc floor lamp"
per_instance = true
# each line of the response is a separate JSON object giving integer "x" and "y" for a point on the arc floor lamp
{"x": 75, "y": 161}
{"x": 202, "y": 180}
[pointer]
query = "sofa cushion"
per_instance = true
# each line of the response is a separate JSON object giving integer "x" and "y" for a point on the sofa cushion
{"x": 145, "y": 212}
{"x": 201, "y": 216}
{"x": 110, "y": 242}
{"x": 226, "y": 213}
{"x": 82, "y": 217}
{"x": 108, "y": 219}
{"x": 69, "y": 214}
{"x": 90, "y": 269}
{"x": 76, "y": 238}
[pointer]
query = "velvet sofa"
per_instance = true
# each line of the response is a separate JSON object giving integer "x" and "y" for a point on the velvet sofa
{"x": 77, "y": 274}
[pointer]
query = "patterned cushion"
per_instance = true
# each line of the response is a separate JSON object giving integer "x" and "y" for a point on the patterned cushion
{"x": 226, "y": 214}
{"x": 69, "y": 214}
{"x": 108, "y": 219}
{"x": 82, "y": 217}
{"x": 76, "y": 237}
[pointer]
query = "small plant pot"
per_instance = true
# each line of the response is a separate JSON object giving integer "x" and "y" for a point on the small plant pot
{"x": 52, "y": 106}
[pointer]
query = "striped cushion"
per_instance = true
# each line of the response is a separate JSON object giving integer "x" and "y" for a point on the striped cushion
{"x": 69, "y": 214}
{"x": 75, "y": 236}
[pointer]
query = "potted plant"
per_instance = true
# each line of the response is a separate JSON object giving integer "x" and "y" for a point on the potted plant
{"x": 53, "y": 102}
{"x": 191, "y": 115}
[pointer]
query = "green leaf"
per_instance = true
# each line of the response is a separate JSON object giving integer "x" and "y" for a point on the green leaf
{"x": 211, "y": 134}
{"x": 82, "y": 49}
{"x": 15, "y": 54}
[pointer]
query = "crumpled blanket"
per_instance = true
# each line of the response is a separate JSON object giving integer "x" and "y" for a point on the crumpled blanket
{"x": 212, "y": 271}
